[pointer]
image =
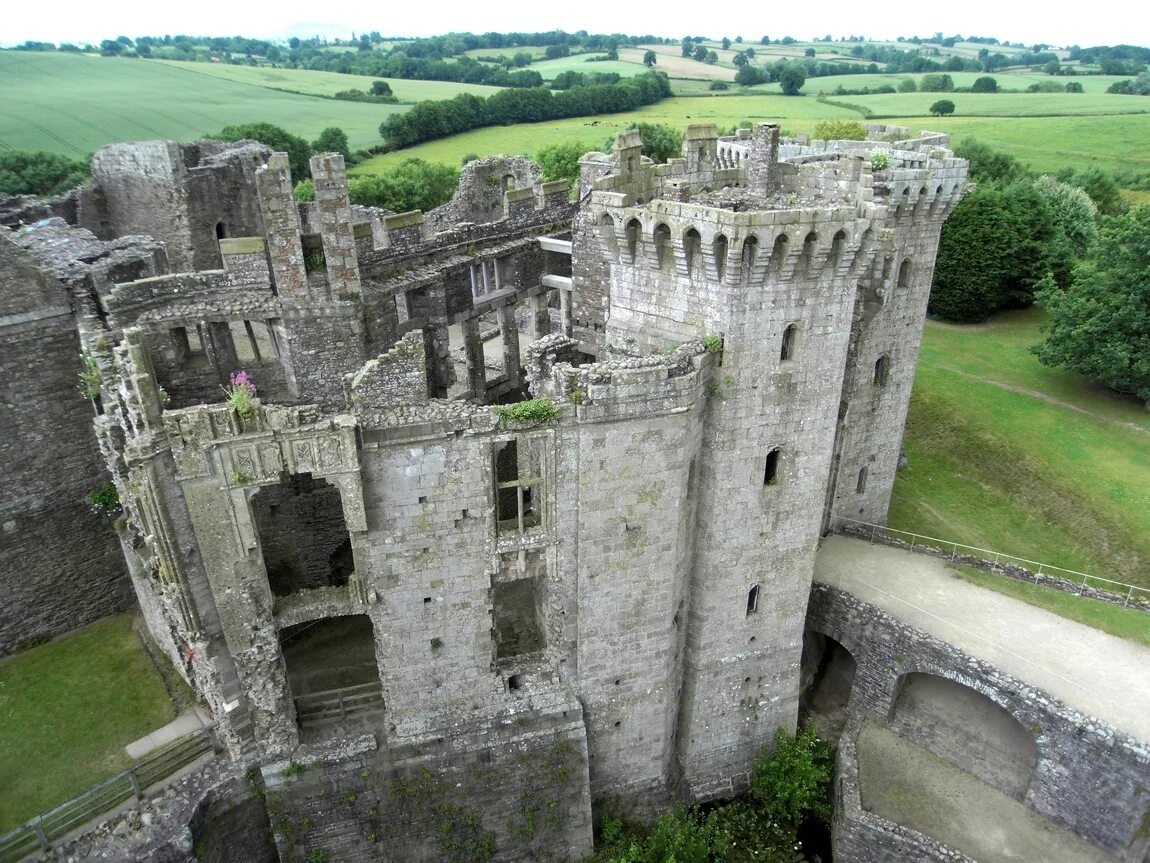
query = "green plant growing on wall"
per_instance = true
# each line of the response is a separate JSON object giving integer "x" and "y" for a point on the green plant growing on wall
{"x": 538, "y": 410}
{"x": 713, "y": 343}
{"x": 105, "y": 499}
{"x": 239, "y": 393}
{"x": 90, "y": 379}
{"x": 879, "y": 162}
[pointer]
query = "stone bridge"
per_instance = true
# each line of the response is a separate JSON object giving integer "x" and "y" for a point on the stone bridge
{"x": 973, "y": 726}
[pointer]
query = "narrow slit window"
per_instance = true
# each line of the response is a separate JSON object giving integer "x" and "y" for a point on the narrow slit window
{"x": 771, "y": 471}
{"x": 790, "y": 336}
{"x": 860, "y": 486}
{"x": 882, "y": 371}
{"x": 752, "y": 600}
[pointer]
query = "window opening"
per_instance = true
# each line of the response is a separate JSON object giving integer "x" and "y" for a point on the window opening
{"x": 904, "y": 274}
{"x": 787, "y": 349}
{"x": 519, "y": 485}
{"x": 663, "y": 251}
{"x": 771, "y": 472}
{"x": 752, "y": 600}
{"x": 860, "y": 486}
{"x": 634, "y": 232}
{"x": 882, "y": 371}
{"x": 516, "y": 610}
{"x": 719, "y": 249}
{"x": 303, "y": 535}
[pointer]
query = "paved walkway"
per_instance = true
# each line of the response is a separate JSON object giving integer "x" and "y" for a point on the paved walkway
{"x": 1088, "y": 670}
{"x": 188, "y": 722}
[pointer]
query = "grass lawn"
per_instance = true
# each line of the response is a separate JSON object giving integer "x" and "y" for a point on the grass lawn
{"x": 1006, "y": 454}
{"x": 74, "y": 104}
{"x": 67, "y": 709}
{"x": 1122, "y": 622}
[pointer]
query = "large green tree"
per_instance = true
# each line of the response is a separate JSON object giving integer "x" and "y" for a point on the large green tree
{"x": 996, "y": 248}
{"x": 1100, "y": 326}
{"x": 561, "y": 161}
{"x": 791, "y": 78}
{"x": 278, "y": 139}
{"x": 332, "y": 140}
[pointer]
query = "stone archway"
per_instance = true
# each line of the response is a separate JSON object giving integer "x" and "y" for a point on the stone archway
{"x": 966, "y": 728}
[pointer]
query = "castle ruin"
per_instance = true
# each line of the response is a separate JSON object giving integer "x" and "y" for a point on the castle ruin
{"x": 521, "y": 516}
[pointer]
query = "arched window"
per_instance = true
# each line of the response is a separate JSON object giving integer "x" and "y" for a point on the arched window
{"x": 664, "y": 254}
{"x": 750, "y": 253}
{"x": 719, "y": 250}
{"x": 882, "y": 370}
{"x": 789, "y": 343}
{"x": 752, "y": 600}
{"x": 692, "y": 248}
{"x": 779, "y": 252}
{"x": 838, "y": 243}
{"x": 809, "y": 243}
{"x": 634, "y": 233}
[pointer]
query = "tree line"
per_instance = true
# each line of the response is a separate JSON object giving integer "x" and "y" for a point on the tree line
{"x": 439, "y": 118}
{"x": 1068, "y": 243}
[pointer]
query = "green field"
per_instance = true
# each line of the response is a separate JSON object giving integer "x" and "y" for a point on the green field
{"x": 327, "y": 83}
{"x": 1007, "y": 81}
{"x": 898, "y": 105}
{"x": 798, "y": 116}
{"x": 67, "y": 709}
{"x": 1009, "y": 455}
{"x": 1113, "y": 143}
{"x": 74, "y": 104}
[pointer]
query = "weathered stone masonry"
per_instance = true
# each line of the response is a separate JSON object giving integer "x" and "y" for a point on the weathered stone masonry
{"x": 615, "y": 595}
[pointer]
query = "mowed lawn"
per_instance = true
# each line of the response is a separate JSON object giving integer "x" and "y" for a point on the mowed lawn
{"x": 75, "y": 104}
{"x": 1009, "y": 455}
{"x": 67, "y": 709}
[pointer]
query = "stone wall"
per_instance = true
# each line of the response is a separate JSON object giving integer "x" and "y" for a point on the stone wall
{"x": 52, "y": 465}
{"x": 1089, "y": 777}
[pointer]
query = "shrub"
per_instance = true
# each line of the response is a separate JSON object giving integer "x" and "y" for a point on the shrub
{"x": 907, "y": 85}
{"x": 985, "y": 84}
{"x": 942, "y": 108}
{"x": 24, "y": 172}
{"x": 538, "y": 410}
{"x": 936, "y": 82}
{"x": 719, "y": 85}
{"x": 839, "y": 130}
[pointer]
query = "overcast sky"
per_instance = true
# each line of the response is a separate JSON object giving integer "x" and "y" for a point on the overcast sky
{"x": 1104, "y": 22}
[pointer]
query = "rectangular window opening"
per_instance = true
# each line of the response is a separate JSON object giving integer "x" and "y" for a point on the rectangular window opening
{"x": 771, "y": 472}
{"x": 518, "y": 485}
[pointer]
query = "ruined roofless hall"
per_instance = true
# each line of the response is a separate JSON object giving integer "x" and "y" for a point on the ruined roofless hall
{"x": 390, "y": 564}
